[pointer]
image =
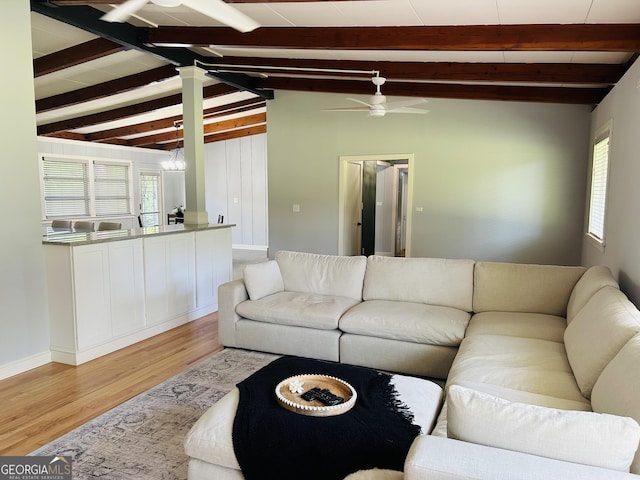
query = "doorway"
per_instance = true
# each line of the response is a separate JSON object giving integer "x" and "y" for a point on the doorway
{"x": 375, "y": 193}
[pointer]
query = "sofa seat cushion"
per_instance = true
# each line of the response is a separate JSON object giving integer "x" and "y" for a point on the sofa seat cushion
{"x": 298, "y": 309}
{"x": 527, "y": 364}
{"x": 516, "y": 324}
{"x": 600, "y": 440}
{"x": 407, "y": 321}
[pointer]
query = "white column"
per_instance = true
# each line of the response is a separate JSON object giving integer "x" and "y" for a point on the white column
{"x": 193, "y": 134}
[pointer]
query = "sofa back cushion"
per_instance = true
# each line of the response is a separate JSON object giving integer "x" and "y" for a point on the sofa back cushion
{"x": 322, "y": 274}
{"x": 617, "y": 389}
{"x": 601, "y": 440}
{"x": 593, "y": 280}
{"x": 514, "y": 287}
{"x": 433, "y": 281}
{"x": 597, "y": 333}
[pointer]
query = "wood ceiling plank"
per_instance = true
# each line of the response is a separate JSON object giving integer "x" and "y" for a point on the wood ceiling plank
{"x": 106, "y": 89}
{"x": 84, "y": 52}
{"x": 488, "y": 72}
{"x": 589, "y": 96}
{"x": 129, "y": 110}
{"x": 544, "y": 37}
{"x": 241, "y": 132}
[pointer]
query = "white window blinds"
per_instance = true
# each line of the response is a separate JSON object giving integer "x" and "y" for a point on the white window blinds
{"x": 66, "y": 188}
{"x": 79, "y": 187}
{"x": 599, "y": 179}
{"x": 112, "y": 189}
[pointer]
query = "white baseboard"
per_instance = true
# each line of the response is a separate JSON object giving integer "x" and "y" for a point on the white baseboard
{"x": 20, "y": 366}
{"x": 384, "y": 254}
{"x": 79, "y": 357}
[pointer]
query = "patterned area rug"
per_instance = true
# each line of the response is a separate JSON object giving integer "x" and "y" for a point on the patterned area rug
{"x": 141, "y": 439}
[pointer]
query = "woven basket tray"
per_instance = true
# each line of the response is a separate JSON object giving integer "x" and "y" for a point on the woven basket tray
{"x": 293, "y": 402}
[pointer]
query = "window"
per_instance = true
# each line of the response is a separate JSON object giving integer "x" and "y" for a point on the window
{"x": 599, "y": 182}
{"x": 112, "y": 191}
{"x": 79, "y": 187}
{"x": 66, "y": 188}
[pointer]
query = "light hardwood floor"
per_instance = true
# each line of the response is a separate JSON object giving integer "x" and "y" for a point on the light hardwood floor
{"x": 40, "y": 405}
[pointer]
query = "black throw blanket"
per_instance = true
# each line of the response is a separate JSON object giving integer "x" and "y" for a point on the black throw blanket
{"x": 272, "y": 443}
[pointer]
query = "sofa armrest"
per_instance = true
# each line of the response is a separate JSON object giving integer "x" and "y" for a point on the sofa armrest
{"x": 230, "y": 294}
{"x": 440, "y": 458}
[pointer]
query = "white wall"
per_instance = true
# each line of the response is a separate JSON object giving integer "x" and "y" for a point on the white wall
{"x": 24, "y": 321}
{"x": 502, "y": 181}
{"x": 622, "y": 228}
{"x": 236, "y": 187}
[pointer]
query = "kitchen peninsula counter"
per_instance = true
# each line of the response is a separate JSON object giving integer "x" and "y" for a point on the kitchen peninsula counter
{"x": 110, "y": 289}
{"x": 71, "y": 238}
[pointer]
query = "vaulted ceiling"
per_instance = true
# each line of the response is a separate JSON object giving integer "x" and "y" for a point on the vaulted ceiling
{"x": 117, "y": 82}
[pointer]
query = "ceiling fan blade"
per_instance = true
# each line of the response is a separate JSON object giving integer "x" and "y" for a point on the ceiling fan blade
{"x": 124, "y": 11}
{"x": 223, "y": 12}
{"x": 406, "y": 110}
{"x": 360, "y": 102}
{"x": 346, "y": 109}
{"x": 405, "y": 103}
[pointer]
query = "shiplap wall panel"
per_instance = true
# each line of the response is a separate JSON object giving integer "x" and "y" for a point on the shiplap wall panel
{"x": 236, "y": 187}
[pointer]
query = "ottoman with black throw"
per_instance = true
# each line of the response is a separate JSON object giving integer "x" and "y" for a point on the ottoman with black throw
{"x": 249, "y": 435}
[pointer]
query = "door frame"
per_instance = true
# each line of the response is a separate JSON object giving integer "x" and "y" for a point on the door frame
{"x": 344, "y": 160}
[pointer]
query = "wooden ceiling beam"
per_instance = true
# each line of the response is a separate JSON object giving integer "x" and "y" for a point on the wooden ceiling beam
{"x": 163, "y": 123}
{"x": 543, "y": 37}
{"x": 434, "y": 71}
{"x": 589, "y": 96}
{"x": 69, "y": 57}
{"x": 170, "y": 137}
{"x": 106, "y": 89}
{"x": 129, "y": 110}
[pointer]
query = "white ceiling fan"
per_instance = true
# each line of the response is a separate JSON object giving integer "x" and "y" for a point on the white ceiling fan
{"x": 378, "y": 106}
{"x": 216, "y": 9}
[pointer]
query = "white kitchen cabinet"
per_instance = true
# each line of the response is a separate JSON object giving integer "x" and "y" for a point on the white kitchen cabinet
{"x": 110, "y": 290}
{"x": 169, "y": 265}
{"x": 213, "y": 265}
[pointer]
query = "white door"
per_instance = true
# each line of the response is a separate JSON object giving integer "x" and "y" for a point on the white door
{"x": 150, "y": 199}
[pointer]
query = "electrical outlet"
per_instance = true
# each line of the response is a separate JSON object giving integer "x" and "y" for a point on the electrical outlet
{"x": 296, "y": 208}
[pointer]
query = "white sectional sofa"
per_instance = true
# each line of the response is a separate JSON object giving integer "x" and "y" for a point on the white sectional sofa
{"x": 542, "y": 363}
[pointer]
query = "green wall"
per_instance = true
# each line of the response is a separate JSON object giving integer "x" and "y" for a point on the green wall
{"x": 24, "y": 321}
{"x": 501, "y": 181}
